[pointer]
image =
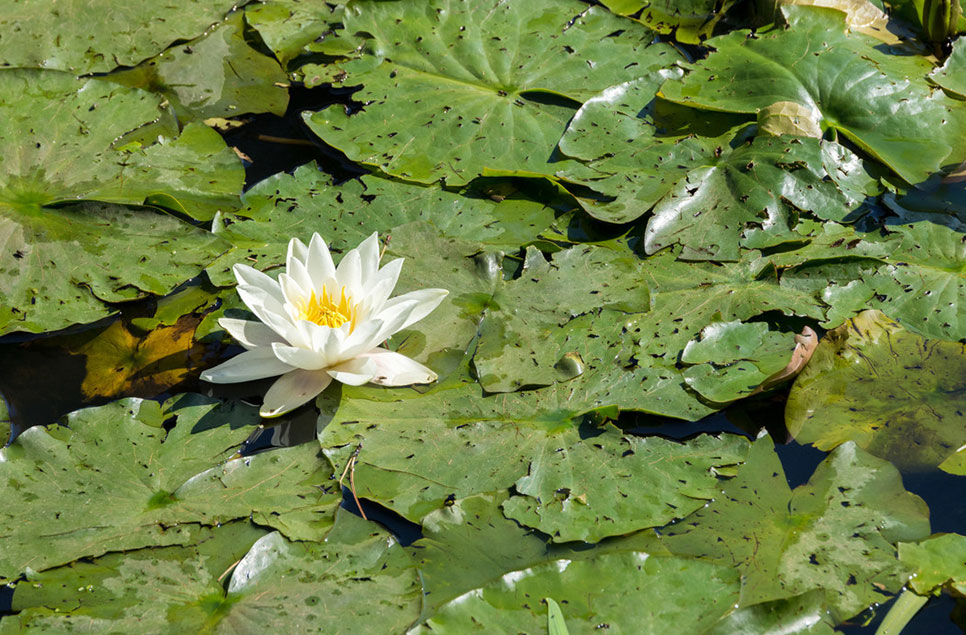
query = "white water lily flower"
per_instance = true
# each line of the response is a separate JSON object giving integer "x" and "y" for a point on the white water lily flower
{"x": 320, "y": 323}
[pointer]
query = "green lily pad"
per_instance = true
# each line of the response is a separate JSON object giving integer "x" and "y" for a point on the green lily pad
{"x": 75, "y": 38}
{"x": 691, "y": 21}
{"x": 951, "y": 75}
{"x": 61, "y": 264}
{"x": 859, "y": 89}
{"x": 518, "y": 339}
{"x": 154, "y": 485}
{"x": 125, "y": 254}
{"x": 500, "y": 560}
{"x": 666, "y": 592}
{"x": 218, "y": 75}
{"x": 359, "y": 578}
{"x": 733, "y": 358}
{"x": 63, "y": 144}
{"x": 834, "y": 533}
{"x": 938, "y": 562}
{"x": 805, "y": 614}
{"x": 287, "y": 205}
{"x": 154, "y": 589}
{"x": 892, "y": 392}
{"x": 587, "y": 487}
{"x": 287, "y": 26}
{"x": 444, "y": 99}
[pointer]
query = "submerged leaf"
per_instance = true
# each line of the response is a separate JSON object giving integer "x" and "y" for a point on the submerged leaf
{"x": 892, "y": 392}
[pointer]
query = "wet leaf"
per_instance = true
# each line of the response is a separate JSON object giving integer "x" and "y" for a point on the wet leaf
{"x": 892, "y": 392}
{"x": 136, "y": 483}
{"x": 733, "y": 358}
{"x": 590, "y": 485}
{"x": 154, "y": 589}
{"x": 951, "y": 75}
{"x": 690, "y": 21}
{"x": 938, "y": 562}
{"x": 359, "y": 579}
{"x": 833, "y": 533}
{"x": 75, "y": 38}
{"x": 444, "y": 99}
{"x": 218, "y": 75}
{"x": 860, "y": 89}
{"x": 286, "y": 205}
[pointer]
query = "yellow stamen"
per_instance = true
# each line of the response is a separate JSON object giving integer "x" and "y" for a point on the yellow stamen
{"x": 325, "y": 311}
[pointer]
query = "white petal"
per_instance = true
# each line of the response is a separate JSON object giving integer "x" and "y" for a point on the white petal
{"x": 295, "y": 295}
{"x": 296, "y": 250}
{"x": 271, "y": 312}
{"x": 248, "y": 276}
{"x": 354, "y": 372}
{"x": 394, "y": 369}
{"x": 363, "y": 339}
{"x": 349, "y": 274}
{"x": 319, "y": 263}
{"x": 254, "y": 364}
{"x": 292, "y": 390}
{"x": 295, "y": 268}
{"x": 427, "y": 299}
{"x": 248, "y": 333}
{"x": 394, "y": 317}
{"x": 304, "y": 358}
{"x": 379, "y": 287}
{"x": 369, "y": 256}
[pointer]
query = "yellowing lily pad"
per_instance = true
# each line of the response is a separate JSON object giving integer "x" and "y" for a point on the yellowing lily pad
{"x": 898, "y": 395}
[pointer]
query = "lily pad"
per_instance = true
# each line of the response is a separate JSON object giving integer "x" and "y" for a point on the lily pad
{"x": 68, "y": 265}
{"x": 287, "y": 205}
{"x": 950, "y": 75}
{"x": 177, "y": 587}
{"x": 74, "y": 38}
{"x": 218, "y": 75}
{"x": 156, "y": 485}
{"x": 358, "y": 578}
{"x": 287, "y": 26}
{"x": 691, "y": 21}
{"x": 860, "y": 89}
{"x": 54, "y": 119}
{"x": 834, "y": 533}
{"x": 733, "y": 358}
{"x": 938, "y": 562}
{"x": 592, "y": 485}
{"x": 445, "y": 100}
{"x": 666, "y": 592}
{"x": 892, "y": 392}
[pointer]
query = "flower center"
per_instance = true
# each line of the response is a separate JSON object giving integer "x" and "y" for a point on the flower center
{"x": 325, "y": 311}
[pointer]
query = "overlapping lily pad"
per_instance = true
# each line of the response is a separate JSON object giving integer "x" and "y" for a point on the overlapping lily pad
{"x": 601, "y": 483}
{"x": 857, "y": 86}
{"x": 61, "y": 264}
{"x": 218, "y": 75}
{"x": 834, "y": 533}
{"x": 177, "y": 587}
{"x": 297, "y": 205}
{"x": 143, "y": 484}
{"x": 892, "y": 392}
{"x": 509, "y": 572}
{"x": 938, "y": 562}
{"x": 75, "y": 38}
{"x": 459, "y": 87}
{"x": 358, "y": 573}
